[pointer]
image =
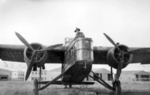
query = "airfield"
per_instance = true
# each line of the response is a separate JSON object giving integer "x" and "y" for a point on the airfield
{"x": 26, "y": 88}
{"x": 49, "y": 22}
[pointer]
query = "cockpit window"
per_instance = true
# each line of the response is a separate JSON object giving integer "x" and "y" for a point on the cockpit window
{"x": 86, "y": 44}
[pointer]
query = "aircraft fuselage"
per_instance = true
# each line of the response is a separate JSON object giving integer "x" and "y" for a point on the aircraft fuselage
{"x": 78, "y": 60}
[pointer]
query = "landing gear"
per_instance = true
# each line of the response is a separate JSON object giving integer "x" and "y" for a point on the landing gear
{"x": 35, "y": 85}
{"x": 122, "y": 57}
{"x": 101, "y": 81}
{"x": 70, "y": 85}
{"x": 47, "y": 83}
{"x": 117, "y": 87}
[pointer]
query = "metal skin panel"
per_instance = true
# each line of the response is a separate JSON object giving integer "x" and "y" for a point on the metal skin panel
{"x": 79, "y": 50}
{"x": 84, "y": 50}
{"x": 78, "y": 60}
{"x": 77, "y": 72}
{"x": 84, "y": 55}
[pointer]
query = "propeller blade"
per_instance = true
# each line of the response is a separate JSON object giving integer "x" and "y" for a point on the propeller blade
{"x": 30, "y": 67}
{"x": 50, "y": 47}
{"x": 110, "y": 40}
{"x": 119, "y": 70}
{"x": 23, "y": 40}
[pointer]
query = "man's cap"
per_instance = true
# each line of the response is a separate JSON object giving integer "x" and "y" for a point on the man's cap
{"x": 77, "y": 30}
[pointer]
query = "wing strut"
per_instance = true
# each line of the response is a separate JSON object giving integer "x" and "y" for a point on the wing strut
{"x": 101, "y": 81}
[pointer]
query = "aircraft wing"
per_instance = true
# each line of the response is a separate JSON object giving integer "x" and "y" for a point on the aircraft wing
{"x": 12, "y": 53}
{"x": 15, "y": 53}
{"x": 140, "y": 55}
{"x": 100, "y": 54}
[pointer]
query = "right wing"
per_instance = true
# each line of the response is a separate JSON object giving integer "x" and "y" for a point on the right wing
{"x": 12, "y": 53}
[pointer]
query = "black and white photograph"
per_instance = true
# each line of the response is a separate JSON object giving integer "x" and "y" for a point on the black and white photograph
{"x": 74, "y": 47}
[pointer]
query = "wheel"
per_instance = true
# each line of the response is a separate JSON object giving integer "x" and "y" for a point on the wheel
{"x": 117, "y": 87}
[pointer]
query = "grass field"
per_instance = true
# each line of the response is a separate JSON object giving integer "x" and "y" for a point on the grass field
{"x": 26, "y": 88}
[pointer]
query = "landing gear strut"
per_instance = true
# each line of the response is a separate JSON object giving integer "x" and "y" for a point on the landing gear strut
{"x": 122, "y": 56}
{"x": 117, "y": 87}
{"x": 116, "y": 84}
{"x": 70, "y": 85}
{"x": 47, "y": 83}
{"x": 36, "y": 92}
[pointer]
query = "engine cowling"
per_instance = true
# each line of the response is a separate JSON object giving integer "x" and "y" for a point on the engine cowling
{"x": 113, "y": 56}
{"x": 39, "y": 58}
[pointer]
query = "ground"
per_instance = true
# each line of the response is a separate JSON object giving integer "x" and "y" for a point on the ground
{"x": 26, "y": 88}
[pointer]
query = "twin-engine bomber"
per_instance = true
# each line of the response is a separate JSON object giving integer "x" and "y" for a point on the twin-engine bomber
{"x": 76, "y": 56}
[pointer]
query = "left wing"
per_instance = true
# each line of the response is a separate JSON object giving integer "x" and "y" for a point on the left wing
{"x": 140, "y": 55}
{"x": 15, "y": 53}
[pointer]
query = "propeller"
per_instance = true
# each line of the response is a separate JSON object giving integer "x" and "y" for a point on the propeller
{"x": 34, "y": 53}
{"x": 121, "y": 57}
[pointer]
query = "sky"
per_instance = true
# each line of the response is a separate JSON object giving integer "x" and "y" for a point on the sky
{"x": 51, "y": 21}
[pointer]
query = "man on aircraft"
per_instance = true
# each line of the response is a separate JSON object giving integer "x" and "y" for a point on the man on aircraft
{"x": 78, "y": 33}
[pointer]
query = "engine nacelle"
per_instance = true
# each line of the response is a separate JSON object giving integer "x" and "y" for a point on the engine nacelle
{"x": 39, "y": 58}
{"x": 113, "y": 56}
